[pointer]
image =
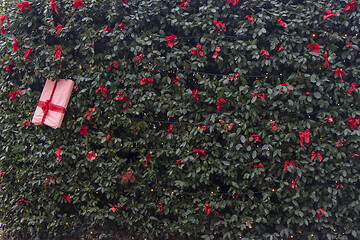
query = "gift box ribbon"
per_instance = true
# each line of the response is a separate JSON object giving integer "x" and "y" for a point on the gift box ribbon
{"x": 47, "y": 105}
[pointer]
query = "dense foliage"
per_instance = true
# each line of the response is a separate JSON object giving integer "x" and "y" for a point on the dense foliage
{"x": 256, "y": 177}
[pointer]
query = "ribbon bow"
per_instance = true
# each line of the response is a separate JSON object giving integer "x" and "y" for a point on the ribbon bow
{"x": 176, "y": 79}
{"x": 314, "y": 155}
{"x": 121, "y": 26}
{"x": 340, "y": 142}
{"x": 53, "y": 6}
{"x": 322, "y": 212}
{"x": 138, "y": 58}
{"x": 326, "y": 59}
{"x": 266, "y": 54}
{"x": 293, "y": 183}
{"x": 249, "y": 18}
{"x": 22, "y": 201}
{"x": 220, "y": 25}
{"x": 114, "y": 208}
{"x": 340, "y": 72}
{"x": 91, "y": 156}
{"x": 46, "y": 106}
{"x": 27, "y": 54}
{"x": 2, "y": 18}
{"x": 13, "y": 94}
{"x": 339, "y": 186}
{"x": 280, "y": 21}
{"x": 23, "y": 5}
{"x": 91, "y": 110}
{"x": 178, "y": 162}
{"x": 2, "y": 174}
{"x": 67, "y": 197}
{"x": 220, "y": 103}
{"x": 15, "y": 45}
{"x": 233, "y": 2}
{"x": 147, "y": 159}
{"x": 48, "y": 179}
{"x": 199, "y": 150}
{"x": 286, "y": 85}
{"x": 353, "y": 122}
{"x": 170, "y": 128}
{"x": 126, "y": 177}
{"x": 256, "y": 137}
{"x": 314, "y": 47}
{"x": 182, "y": 4}
{"x": 260, "y": 95}
{"x": 287, "y": 163}
{"x": 104, "y": 90}
{"x": 83, "y": 130}
{"x": 108, "y": 137}
{"x": 328, "y": 13}
{"x": 353, "y": 85}
{"x": 58, "y": 151}
{"x": 260, "y": 165}
{"x": 304, "y": 135}
{"x": 146, "y": 79}
{"x": 171, "y": 40}
{"x": 215, "y": 56}
{"x": 273, "y": 127}
{"x": 350, "y": 6}
{"x": 199, "y": 50}
{"x": 352, "y": 155}
{"x": 160, "y": 205}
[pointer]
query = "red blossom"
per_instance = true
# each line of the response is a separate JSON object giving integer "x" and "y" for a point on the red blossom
{"x": 146, "y": 79}
{"x": 220, "y": 25}
{"x": 91, "y": 156}
{"x": 121, "y": 26}
{"x": 78, "y": 3}
{"x": 22, "y": 5}
{"x": 266, "y": 54}
{"x": 182, "y": 4}
{"x": 233, "y": 2}
{"x": 314, "y": 47}
{"x": 83, "y": 130}
{"x": 171, "y": 40}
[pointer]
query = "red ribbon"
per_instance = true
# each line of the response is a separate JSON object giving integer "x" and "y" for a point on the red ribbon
{"x": 286, "y": 85}
{"x": 350, "y": 6}
{"x": 22, "y": 201}
{"x": 91, "y": 156}
{"x": 220, "y": 103}
{"x": 58, "y": 151}
{"x": 147, "y": 159}
{"x": 178, "y": 162}
{"x": 91, "y": 110}
{"x": 194, "y": 93}
{"x": 314, "y": 155}
{"x": 256, "y": 137}
{"x": 104, "y": 90}
{"x": 293, "y": 183}
{"x": 260, "y": 95}
{"x": 115, "y": 207}
{"x": 203, "y": 128}
{"x": 83, "y": 130}
{"x": 2, "y": 174}
{"x": 146, "y": 79}
{"x": 220, "y": 25}
{"x": 126, "y": 177}
{"x": 340, "y": 142}
{"x": 122, "y": 26}
{"x": 176, "y": 79}
{"x": 328, "y": 13}
{"x": 207, "y": 209}
{"x": 287, "y": 163}
{"x": 260, "y": 165}
{"x": 108, "y": 137}
{"x": 305, "y": 135}
{"x": 160, "y": 205}
{"x": 27, "y": 54}
{"x": 249, "y": 18}
{"x": 339, "y": 186}
{"x": 170, "y": 128}
{"x": 23, "y": 5}
{"x": 47, "y": 180}
{"x": 234, "y": 2}
{"x": 314, "y": 47}
{"x": 326, "y": 59}
{"x": 53, "y": 6}
{"x": 280, "y": 21}
{"x": 13, "y": 94}
{"x": 199, "y": 150}
{"x": 354, "y": 155}
{"x": 340, "y": 72}
{"x": 182, "y": 4}
{"x": 353, "y": 85}
{"x": 199, "y": 50}
{"x": 353, "y": 122}
{"x": 67, "y": 197}
{"x": 266, "y": 54}
{"x": 113, "y": 65}
{"x": 78, "y": 3}
{"x": 322, "y": 211}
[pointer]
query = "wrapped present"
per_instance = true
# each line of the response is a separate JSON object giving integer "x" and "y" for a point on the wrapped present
{"x": 53, "y": 102}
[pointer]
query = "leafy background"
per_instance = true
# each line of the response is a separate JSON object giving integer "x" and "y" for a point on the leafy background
{"x": 256, "y": 203}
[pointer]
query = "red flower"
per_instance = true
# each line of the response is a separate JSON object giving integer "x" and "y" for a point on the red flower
{"x": 137, "y": 58}
{"x": 53, "y": 6}
{"x": 314, "y": 47}
{"x": 199, "y": 150}
{"x": 115, "y": 207}
{"x": 119, "y": 97}
{"x": 203, "y": 128}
{"x": 328, "y": 13}
{"x": 266, "y": 54}
{"x": 287, "y": 163}
{"x": 256, "y": 138}
{"x": 104, "y": 90}
{"x": 216, "y": 54}
{"x": 171, "y": 40}
{"x": 330, "y": 121}
{"x": 26, "y": 123}
{"x": 260, "y": 95}
{"x": 91, "y": 156}
{"x": 146, "y": 79}
{"x": 108, "y": 137}
{"x": 67, "y": 197}
{"x": 182, "y": 4}
{"x": 234, "y": 2}
{"x": 340, "y": 72}
{"x": 353, "y": 122}
{"x": 2, "y": 18}
{"x": 78, "y": 3}
{"x": 113, "y": 65}
{"x": 58, "y": 29}
{"x": 194, "y": 93}
{"x": 23, "y": 5}
{"x": 220, "y": 25}
{"x": 176, "y": 79}
{"x": 250, "y": 18}
{"x": 340, "y": 142}
{"x": 121, "y": 26}
{"x": 178, "y": 162}
{"x": 58, "y": 52}
{"x": 199, "y": 50}
{"x": 350, "y": 6}
{"x": 349, "y": 44}
{"x": 15, "y": 45}
{"x": 3, "y": 30}
{"x": 83, "y": 130}
{"x": 220, "y": 103}
{"x": 27, "y": 54}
